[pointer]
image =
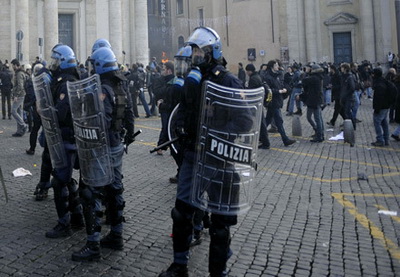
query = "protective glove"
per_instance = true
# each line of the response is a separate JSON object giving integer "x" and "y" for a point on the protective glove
{"x": 180, "y": 132}
{"x": 128, "y": 139}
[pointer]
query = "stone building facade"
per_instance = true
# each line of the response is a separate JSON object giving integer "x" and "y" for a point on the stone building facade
{"x": 301, "y": 30}
{"x": 77, "y": 23}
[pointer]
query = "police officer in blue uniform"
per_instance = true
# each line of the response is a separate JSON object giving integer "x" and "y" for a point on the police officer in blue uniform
{"x": 119, "y": 126}
{"x": 209, "y": 64}
{"x": 63, "y": 68}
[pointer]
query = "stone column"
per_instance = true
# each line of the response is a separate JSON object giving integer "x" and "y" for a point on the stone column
{"x": 397, "y": 6}
{"x": 141, "y": 32}
{"x": 91, "y": 32}
{"x": 367, "y": 30}
{"x": 311, "y": 22}
{"x": 50, "y": 27}
{"x": 22, "y": 23}
{"x": 115, "y": 16}
{"x": 295, "y": 26}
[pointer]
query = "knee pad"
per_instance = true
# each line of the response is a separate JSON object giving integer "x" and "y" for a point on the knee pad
{"x": 178, "y": 217}
{"x": 220, "y": 236}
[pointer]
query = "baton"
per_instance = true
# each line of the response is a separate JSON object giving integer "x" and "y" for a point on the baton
{"x": 165, "y": 144}
{"x": 134, "y": 135}
{"x": 4, "y": 185}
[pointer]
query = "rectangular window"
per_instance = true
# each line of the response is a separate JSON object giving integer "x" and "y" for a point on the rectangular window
{"x": 66, "y": 29}
{"x": 179, "y": 6}
{"x": 201, "y": 17}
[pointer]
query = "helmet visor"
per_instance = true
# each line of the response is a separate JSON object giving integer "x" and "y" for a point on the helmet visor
{"x": 203, "y": 37}
{"x": 54, "y": 64}
{"x": 182, "y": 66}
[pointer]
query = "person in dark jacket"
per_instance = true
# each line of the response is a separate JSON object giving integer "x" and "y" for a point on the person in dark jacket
{"x": 335, "y": 81}
{"x": 6, "y": 86}
{"x": 118, "y": 116}
{"x": 347, "y": 89}
{"x": 241, "y": 73}
{"x": 30, "y": 107}
{"x": 313, "y": 98}
{"x": 381, "y": 105}
{"x": 396, "y": 132}
{"x": 209, "y": 64}
{"x": 166, "y": 100}
{"x": 63, "y": 68}
{"x": 255, "y": 81}
{"x": 275, "y": 106}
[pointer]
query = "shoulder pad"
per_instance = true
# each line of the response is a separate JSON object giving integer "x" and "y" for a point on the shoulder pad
{"x": 120, "y": 76}
{"x": 179, "y": 82}
{"x": 217, "y": 70}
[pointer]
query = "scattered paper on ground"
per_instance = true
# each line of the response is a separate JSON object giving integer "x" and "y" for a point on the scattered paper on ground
{"x": 21, "y": 172}
{"x": 337, "y": 137}
{"x": 392, "y": 213}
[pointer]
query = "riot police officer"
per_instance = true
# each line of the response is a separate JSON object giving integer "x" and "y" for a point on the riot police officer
{"x": 119, "y": 126}
{"x": 209, "y": 64}
{"x": 63, "y": 68}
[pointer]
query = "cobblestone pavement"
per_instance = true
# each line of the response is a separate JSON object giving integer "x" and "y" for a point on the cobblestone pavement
{"x": 312, "y": 215}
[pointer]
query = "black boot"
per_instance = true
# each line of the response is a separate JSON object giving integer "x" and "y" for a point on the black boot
{"x": 113, "y": 240}
{"x": 77, "y": 221}
{"x": 176, "y": 270}
{"x": 196, "y": 238}
{"x": 59, "y": 231}
{"x": 89, "y": 252}
{"x": 40, "y": 192}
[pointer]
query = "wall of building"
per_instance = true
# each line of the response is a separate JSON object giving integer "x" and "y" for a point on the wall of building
{"x": 123, "y": 22}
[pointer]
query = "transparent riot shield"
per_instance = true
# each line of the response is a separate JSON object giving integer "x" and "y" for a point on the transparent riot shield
{"x": 225, "y": 163}
{"x": 171, "y": 129}
{"x": 91, "y": 135}
{"x": 48, "y": 114}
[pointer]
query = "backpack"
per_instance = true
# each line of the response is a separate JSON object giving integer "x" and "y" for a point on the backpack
{"x": 268, "y": 94}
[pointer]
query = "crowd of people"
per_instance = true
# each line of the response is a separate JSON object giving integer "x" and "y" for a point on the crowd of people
{"x": 45, "y": 95}
{"x": 316, "y": 86}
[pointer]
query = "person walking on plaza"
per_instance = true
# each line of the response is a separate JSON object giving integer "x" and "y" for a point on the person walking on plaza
{"x": 30, "y": 105}
{"x": 241, "y": 73}
{"x": 6, "y": 77}
{"x": 313, "y": 98}
{"x": 396, "y": 132}
{"x": 335, "y": 81}
{"x": 347, "y": 88}
{"x": 275, "y": 106}
{"x": 166, "y": 102}
{"x": 116, "y": 115}
{"x": 255, "y": 81}
{"x": 296, "y": 90}
{"x": 358, "y": 90}
{"x": 385, "y": 94}
{"x": 18, "y": 94}
{"x": 208, "y": 64}
{"x": 63, "y": 68}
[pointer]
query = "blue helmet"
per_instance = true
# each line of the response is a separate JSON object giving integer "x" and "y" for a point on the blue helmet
{"x": 101, "y": 42}
{"x": 205, "y": 37}
{"x": 183, "y": 61}
{"x": 62, "y": 57}
{"x": 104, "y": 60}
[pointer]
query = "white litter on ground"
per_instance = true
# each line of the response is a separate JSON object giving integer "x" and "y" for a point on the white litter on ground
{"x": 21, "y": 172}
{"x": 392, "y": 213}
{"x": 337, "y": 137}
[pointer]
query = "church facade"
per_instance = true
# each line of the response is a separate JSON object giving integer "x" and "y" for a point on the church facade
{"x": 31, "y": 28}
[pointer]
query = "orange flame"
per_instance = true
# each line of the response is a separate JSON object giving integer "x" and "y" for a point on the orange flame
{"x": 164, "y": 57}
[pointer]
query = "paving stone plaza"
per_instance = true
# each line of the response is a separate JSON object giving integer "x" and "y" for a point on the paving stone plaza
{"x": 324, "y": 209}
